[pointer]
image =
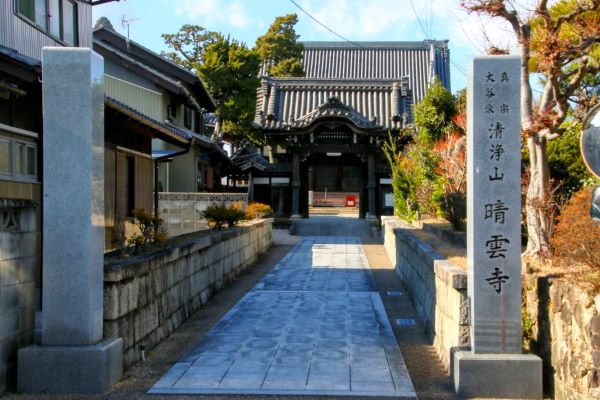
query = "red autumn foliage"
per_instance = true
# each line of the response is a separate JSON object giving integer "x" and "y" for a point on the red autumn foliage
{"x": 576, "y": 239}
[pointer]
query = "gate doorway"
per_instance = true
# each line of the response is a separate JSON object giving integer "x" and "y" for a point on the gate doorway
{"x": 336, "y": 185}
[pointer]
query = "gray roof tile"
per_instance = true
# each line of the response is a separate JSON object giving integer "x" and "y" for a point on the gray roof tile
{"x": 363, "y": 75}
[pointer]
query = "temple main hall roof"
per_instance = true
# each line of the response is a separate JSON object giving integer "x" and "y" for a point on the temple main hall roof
{"x": 378, "y": 80}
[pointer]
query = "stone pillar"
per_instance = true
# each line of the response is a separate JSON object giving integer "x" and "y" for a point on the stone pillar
{"x": 395, "y": 99}
{"x": 271, "y": 104}
{"x": 311, "y": 185}
{"x": 264, "y": 91}
{"x": 250, "y": 186}
{"x": 296, "y": 186}
{"x": 73, "y": 357}
{"x": 371, "y": 186}
{"x": 494, "y": 366}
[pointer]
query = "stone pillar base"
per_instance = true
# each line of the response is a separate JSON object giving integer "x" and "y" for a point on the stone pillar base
{"x": 511, "y": 376}
{"x": 70, "y": 369}
{"x": 371, "y": 216}
{"x": 296, "y": 216}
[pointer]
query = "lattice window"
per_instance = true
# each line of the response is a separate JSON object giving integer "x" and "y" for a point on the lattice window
{"x": 9, "y": 220}
{"x": 332, "y": 137}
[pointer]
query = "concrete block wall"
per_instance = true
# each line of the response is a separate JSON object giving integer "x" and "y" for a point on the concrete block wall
{"x": 181, "y": 212}
{"x": 145, "y": 300}
{"x": 18, "y": 262}
{"x": 437, "y": 287}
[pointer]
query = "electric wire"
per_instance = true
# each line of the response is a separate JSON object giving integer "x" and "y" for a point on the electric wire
{"x": 418, "y": 20}
{"x": 323, "y": 25}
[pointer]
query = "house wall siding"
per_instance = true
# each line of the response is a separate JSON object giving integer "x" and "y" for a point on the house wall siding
{"x": 22, "y": 36}
{"x": 146, "y": 101}
{"x": 120, "y": 72}
{"x": 183, "y": 173}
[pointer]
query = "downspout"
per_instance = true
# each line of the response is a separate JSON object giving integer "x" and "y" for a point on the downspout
{"x": 161, "y": 159}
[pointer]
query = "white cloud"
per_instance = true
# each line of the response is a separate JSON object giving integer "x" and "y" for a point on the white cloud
{"x": 437, "y": 19}
{"x": 358, "y": 19}
{"x": 212, "y": 14}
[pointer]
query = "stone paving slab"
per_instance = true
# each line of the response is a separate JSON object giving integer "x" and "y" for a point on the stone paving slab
{"x": 314, "y": 325}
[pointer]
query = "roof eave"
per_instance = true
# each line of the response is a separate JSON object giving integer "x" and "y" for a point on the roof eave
{"x": 160, "y": 131}
{"x": 112, "y": 54}
{"x": 155, "y": 60}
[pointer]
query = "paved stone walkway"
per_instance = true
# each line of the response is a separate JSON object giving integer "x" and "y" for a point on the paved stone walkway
{"x": 314, "y": 325}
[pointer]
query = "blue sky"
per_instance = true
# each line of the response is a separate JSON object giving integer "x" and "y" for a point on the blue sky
{"x": 356, "y": 20}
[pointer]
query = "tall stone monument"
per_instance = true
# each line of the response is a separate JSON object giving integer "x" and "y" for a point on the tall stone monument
{"x": 494, "y": 366}
{"x": 73, "y": 356}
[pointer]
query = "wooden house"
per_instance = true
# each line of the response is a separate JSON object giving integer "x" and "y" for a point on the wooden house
{"x": 153, "y": 124}
{"x": 26, "y": 26}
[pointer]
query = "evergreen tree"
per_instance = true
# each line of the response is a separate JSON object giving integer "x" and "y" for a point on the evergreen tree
{"x": 433, "y": 114}
{"x": 228, "y": 68}
{"x": 279, "y": 50}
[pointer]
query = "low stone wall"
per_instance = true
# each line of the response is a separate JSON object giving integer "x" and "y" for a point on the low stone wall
{"x": 562, "y": 322}
{"x": 181, "y": 211}
{"x": 566, "y": 335}
{"x": 437, "y": 287}
{"x": 146, "y": 299}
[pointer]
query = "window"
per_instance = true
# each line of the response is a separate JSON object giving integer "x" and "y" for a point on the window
{"x": 187, "y": 116}
{"x": 5, "y": 158}
{"x": 54, "y": 26}
{"x": 197, "y": 122}
{"x": 200, "y": 175}
{"x": 18, "y": 158}
{"x": 69, "y": 22}
{"x": 56, "y": 17}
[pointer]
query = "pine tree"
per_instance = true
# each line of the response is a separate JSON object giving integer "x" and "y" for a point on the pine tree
{"x": 279, "y": 50}
{"x": 229, "y": 69}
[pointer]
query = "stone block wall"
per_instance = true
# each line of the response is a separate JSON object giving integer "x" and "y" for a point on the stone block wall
{"x": 566, "y": 335}
{"x": 181, "y": 211}
{"x": 18, "y": 258}
{"x": 437, "y": 287}
{"x": 561, "y": 323}
{"x": 145, "y": 300}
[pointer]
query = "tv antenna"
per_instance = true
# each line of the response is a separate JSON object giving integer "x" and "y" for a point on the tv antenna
{"x": 125, "y": 24}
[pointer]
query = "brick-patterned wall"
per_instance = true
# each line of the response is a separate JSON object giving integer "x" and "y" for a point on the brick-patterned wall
{"x": 145, "y": 300}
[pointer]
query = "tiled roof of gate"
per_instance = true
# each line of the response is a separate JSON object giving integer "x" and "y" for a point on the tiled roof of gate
{"x": 378, "y": 60}
{"x": 362, "y": 75}
{"x": 297, "y": 99}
